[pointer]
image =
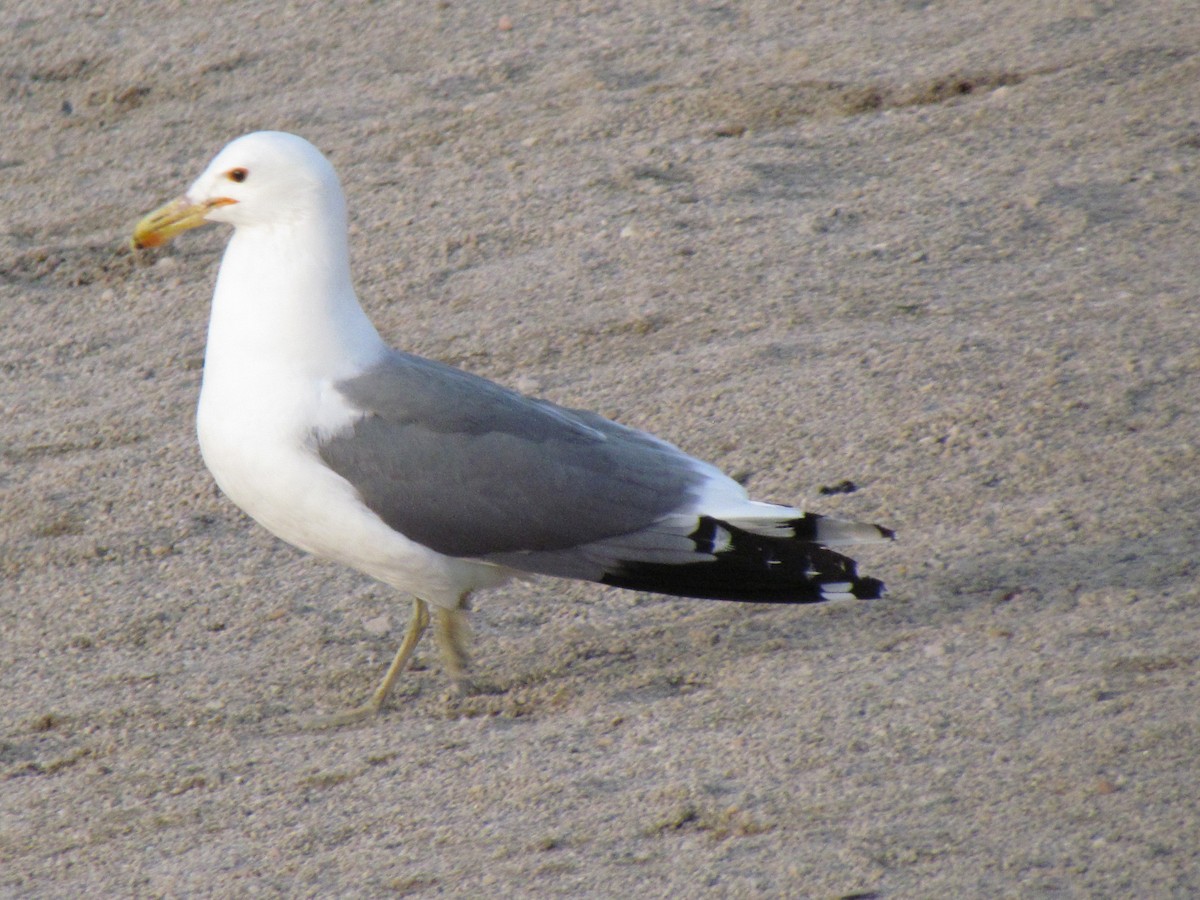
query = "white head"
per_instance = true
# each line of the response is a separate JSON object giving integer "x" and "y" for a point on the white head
{"x": 266, "y": 178}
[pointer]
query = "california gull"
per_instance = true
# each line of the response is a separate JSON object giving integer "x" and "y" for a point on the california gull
{"x": 428, "y": 478}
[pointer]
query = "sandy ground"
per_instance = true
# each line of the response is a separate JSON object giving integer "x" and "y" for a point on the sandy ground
{"x": 944, "y": 251}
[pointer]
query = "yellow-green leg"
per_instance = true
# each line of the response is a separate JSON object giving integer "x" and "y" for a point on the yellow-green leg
{"x": 452, "y": 633}
{"x": 416, "y": 627}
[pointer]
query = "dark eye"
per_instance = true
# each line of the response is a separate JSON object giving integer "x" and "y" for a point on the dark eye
{"x": 239, "y": 175}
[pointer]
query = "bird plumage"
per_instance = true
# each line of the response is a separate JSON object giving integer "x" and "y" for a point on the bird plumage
{"x": 431, "y": 479}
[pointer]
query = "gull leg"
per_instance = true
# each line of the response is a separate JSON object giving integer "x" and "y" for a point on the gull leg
{"x": 416, "y": 627}
{"x": 452, "y": 633}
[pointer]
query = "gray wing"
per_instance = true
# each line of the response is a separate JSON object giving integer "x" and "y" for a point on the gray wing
{"x": 472, "y": 469}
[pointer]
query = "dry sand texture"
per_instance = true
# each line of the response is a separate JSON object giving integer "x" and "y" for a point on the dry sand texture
{"x": 946, "y": 251}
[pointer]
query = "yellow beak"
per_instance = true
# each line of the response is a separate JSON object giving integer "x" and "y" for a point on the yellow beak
{"x": 167, "y": 221}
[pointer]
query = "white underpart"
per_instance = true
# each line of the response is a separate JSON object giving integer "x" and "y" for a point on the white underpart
{"x": 285, "y": 327}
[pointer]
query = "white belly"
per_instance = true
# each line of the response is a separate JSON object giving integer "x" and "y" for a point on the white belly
{"x": 260, "y": 447}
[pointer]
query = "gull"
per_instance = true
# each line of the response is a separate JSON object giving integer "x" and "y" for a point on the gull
{"x": 428, "y": 478}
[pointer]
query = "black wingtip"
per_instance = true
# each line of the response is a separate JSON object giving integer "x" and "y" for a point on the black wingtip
{"x": 869, "y": 589}
{"x": 754, "y": 568}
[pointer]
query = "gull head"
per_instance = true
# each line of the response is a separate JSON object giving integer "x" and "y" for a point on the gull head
{"x": 268, "y": 178}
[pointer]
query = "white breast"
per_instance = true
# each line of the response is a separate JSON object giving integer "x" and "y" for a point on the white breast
{"x": 256, "y": 427}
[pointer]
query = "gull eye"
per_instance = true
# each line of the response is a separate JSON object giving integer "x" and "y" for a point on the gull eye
{"x": 239, "y": 174}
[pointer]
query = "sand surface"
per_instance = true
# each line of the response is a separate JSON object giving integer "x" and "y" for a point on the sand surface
{"x": 948, "y": 252}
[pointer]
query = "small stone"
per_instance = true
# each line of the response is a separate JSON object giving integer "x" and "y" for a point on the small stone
{"x": 378, "y": 626}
